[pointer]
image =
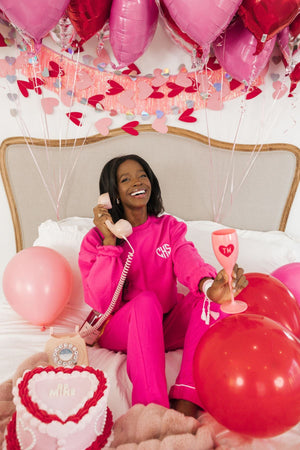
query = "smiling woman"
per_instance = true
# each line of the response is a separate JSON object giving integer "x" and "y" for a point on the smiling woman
{"x": 149, "y": 317}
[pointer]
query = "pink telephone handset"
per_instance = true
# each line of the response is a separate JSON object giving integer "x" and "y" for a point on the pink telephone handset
{"x": 121, "y": 229}
{"x": 92, "y": 325}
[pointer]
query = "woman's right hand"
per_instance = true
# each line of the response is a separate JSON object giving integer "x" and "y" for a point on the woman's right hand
{"x": 101, "y": 214}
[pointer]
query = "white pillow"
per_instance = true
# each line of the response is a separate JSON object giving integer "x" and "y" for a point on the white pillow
{"x": 65, "y": 236}
{"x": 259, "y": 251}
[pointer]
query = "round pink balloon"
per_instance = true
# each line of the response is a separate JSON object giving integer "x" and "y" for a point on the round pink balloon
{"x": 235, "y": 50}
{"x": 289, "y": 275}
{"x": 34, "y": 18}
{"x": 132, "y": 25}
{"x": 37, "y": 283}
{"x": 203, "y": 20}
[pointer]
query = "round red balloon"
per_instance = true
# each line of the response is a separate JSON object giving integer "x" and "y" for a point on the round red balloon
{"x": 269, "y": 297}
{"x": 247, "y": 374}
{"x": 37, "y": 283}
{"x": 265, "y": 18}
{"x": 88, "y": 16}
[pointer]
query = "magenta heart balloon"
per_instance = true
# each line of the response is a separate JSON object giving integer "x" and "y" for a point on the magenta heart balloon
{"x": 34, "y": 18}
{"x": 132, "y": 26}
{"x": 235, "y": 49}
{"x": 202, "y": 20}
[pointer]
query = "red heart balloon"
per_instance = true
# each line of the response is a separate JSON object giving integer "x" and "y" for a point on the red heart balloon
{"x": 265, "y": 18}
{"x": 88, "y": 16}
{"x": 295, "y": 27}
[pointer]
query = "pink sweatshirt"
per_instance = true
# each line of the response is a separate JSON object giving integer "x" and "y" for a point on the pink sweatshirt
{"x": 161, "y": 256}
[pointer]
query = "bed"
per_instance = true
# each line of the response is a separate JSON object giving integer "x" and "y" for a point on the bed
{"x": 207, "y": 183}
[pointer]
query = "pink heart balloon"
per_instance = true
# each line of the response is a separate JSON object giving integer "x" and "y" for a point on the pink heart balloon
{"x": 37, "y": 283}
{"x": 202, "y": 20}
{"x": 235, "y": 50}
{"x": 132, "y": 25}
{"x": 34, "y": 18}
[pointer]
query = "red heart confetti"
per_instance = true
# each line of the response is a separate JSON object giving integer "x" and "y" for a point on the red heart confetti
{"x": 2, "y": 41}
{"x": 175, "y": 89}
{"x": 36, "y": 83}
{"x": 186, "y": 116}
{"x": 130, "y": 127}
{"x": 234, "y": 84}
{"x": 226, "y": 250}
{"x": 75, "y": 118}
{"x": 254, "y": 92}
{"x": 132, "y": 70}
{"x": 115, "y": 88}
{"x": 24, "y": 86}
{"x": 55, "y": 70}
{"x": 193, "y": 87}
{"x": 213, "y": 64}
{"x": 95, "y": 99}
{"x": 156, "y": 93}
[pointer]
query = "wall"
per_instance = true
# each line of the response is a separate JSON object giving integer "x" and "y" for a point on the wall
{"x": 260, "y": 120}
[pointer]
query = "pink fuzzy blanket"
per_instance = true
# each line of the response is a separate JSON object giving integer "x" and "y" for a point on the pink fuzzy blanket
{"x": 150, "y": 427}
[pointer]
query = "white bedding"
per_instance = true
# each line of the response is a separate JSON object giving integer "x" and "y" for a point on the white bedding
{"x": 259, "y": 252}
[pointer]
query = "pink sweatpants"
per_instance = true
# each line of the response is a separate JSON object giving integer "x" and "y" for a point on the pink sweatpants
{"x": 141, "y": 330}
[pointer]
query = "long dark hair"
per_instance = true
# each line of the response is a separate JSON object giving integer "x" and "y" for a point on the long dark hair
{"x": 108, "y": 183}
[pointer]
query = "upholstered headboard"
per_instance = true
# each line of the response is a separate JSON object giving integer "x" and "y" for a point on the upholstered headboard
{"x": 241, "y": 186}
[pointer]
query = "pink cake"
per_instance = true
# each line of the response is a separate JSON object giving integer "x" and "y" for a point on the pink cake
{"x": 60, "y": 408}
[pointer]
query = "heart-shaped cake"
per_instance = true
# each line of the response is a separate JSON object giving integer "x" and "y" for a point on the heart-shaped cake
{"x": 60, "y": 408}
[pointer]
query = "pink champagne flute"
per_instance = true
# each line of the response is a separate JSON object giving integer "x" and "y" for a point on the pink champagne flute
{"x": 226, "y": 248}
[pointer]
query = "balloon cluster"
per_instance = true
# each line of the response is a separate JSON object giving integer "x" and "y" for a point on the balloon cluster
{"x": 240, "y": 33}
{"x": 247, "y": 366}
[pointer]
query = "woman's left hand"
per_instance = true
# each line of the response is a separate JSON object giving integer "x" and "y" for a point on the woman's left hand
{"x": 219, "y": 291}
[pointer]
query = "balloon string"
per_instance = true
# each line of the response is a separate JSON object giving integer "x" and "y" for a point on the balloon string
{"x": 45, "y": 128}
{"x": 211, "y": 184}
{"x": 25, "y": 132}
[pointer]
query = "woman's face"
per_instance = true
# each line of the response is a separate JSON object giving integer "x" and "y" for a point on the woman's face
{"x": 133, "y": 185}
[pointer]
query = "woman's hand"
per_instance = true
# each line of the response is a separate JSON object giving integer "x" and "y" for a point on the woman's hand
{"x": 219, "y": 291}
{"x": 101, "y": 214}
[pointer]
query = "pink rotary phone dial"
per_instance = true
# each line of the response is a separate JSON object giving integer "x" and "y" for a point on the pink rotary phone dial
{"x": 121, "y": 229}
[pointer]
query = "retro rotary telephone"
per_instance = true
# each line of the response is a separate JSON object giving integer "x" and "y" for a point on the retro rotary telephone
{"x": 91, "y": 328}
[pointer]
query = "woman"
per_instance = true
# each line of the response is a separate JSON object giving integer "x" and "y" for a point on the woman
{"x": 151, "y": 317}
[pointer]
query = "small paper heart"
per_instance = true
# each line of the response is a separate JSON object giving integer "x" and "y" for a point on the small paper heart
{"x": 144, "y": 89}
{"x": 186, "y": 116}
{"x": 45, "y": 72}
{"x": 48, "y": 104}
{"x": 83, "y": 81}
{"x": 275, "y": 76}
{"x": 159, "y": 125}
{"x": 11, "y": 78}
{"x": 183, "y": 80}
{"x": 126, "y": 99}
{"x": 75, "y": 117}
{"x": 103, "y": 125}
{"x": 130, "y": 128}
{"x": 115, "y": 88}
{"x": 10, "y": 60}
{"x": 12, "y": 97}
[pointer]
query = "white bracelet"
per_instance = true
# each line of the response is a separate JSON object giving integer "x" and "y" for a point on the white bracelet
{"x": 206, "y": 285}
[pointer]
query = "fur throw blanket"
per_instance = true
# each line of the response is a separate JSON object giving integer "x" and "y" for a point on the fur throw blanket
{"x": 150, "y": 427}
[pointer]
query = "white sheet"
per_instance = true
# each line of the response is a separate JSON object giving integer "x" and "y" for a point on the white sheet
{"x": 20, "y": 340}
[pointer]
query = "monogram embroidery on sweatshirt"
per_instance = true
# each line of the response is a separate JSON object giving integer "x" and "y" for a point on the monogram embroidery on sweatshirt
{"x": 164, "y": 251}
